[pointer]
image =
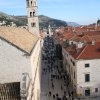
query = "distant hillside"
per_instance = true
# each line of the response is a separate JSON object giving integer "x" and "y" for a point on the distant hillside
{"x": 19, "y": 21}
{"x": 44, "y": 21}
{"x": 72, "y": 24}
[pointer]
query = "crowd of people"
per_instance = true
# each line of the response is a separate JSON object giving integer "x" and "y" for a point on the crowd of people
{"x": 55, "y": 72}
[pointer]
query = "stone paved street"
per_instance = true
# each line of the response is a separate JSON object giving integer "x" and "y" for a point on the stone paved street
{"x": 51, "y": 78}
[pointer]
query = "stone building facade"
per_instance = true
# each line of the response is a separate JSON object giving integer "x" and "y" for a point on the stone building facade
{"x": 20, "y": 61}
{"x": 82, "y": 68}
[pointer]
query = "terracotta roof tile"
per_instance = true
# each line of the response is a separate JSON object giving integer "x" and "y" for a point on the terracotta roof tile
{"x": 19, "y": 37}
{"x": 91, "y": 52}
{"x": 88, "y": 51}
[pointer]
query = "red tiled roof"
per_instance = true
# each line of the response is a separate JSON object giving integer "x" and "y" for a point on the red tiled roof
{"x": 98, "y": 28}
{"x": 87, "y": 36}
{"x": 85, "y": 28}
{"x": 74, "y": 51}
{"x": 68, "y": 35}
{"x": 81, "y": 34}
{"x": 92, "y": 33}
{"x": 90, "y": 52}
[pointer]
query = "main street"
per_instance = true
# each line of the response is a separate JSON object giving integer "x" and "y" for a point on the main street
{"x": 52, "y": 83}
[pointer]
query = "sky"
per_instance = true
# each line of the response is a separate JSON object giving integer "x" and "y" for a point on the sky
{"x": 79, "y": 11}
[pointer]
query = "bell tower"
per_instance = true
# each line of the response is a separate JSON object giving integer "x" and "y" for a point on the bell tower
{"x": 32, "y": 13}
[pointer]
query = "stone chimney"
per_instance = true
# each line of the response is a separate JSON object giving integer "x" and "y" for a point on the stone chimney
{"x": 92, "y": 42}
{"x": 80, "y": 45}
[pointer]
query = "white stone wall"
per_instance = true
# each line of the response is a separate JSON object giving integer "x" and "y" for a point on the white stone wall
{"x": 13, "y": 63}
{"x": 80, "y": 71}
{"x": 69, "y": 67}
{"x": 36, "y": 69}
{"x": 94, "y": 71}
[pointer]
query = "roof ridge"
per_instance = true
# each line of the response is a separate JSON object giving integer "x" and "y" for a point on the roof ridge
{"x": 82, "y": 51}
{"x": 82, "y": 37}
{"x": 88, "y": 37}
{"x": 21, "y": 38}
{"x": 73, "y": 36}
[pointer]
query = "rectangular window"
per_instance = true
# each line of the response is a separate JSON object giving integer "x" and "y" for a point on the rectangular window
{"x": 33, "y": 24}
{"x": 73, "y": 63}
{"x": 87, "y": 92}
{"x": 87, "y": 65}
{"x": 71, "y": 43}
{"x": 33, "y": 13}
{"x": 87, "y": 77}
{"x": 30, "y": 14}
{"x": 96, "y": 89}
{"x": 66, "y": 63}
{"x": 66, "y": 55}
{"x": 74, "y": 75}
{"x": 71, "y": 60}
{"x": 69, "y": 68}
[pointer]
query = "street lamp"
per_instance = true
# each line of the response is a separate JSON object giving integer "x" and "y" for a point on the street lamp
{"x": 23, "y": 85}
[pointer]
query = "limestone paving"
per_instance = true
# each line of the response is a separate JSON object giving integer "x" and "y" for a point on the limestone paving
{"x": 52, "y": 85}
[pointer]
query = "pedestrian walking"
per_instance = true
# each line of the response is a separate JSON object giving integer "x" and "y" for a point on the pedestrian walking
{"x": 53, "y": 96}
{"x": 58, "y": 77}
{"x": 78, "y": 98}
{"x": 64, "y": 98}
{"x": 57, "y": 95}
{"x": 72, "y": 98}
{"x": 52, "y": 86}
{"x": 72, "y": 93}
{"x": 61, "y": 87}
{"x": 49, "y": 93}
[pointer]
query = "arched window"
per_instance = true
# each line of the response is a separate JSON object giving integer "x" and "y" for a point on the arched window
{"x": 34, "y": 3}
{"x": 31, "y": 3}
{"x": 34, "y": 13}
{"x": 27, "y": 2}
{"x": 30, "y": 14}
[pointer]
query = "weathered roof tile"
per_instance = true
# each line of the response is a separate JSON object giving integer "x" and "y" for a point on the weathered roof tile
{"x": 19, "y": 37}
